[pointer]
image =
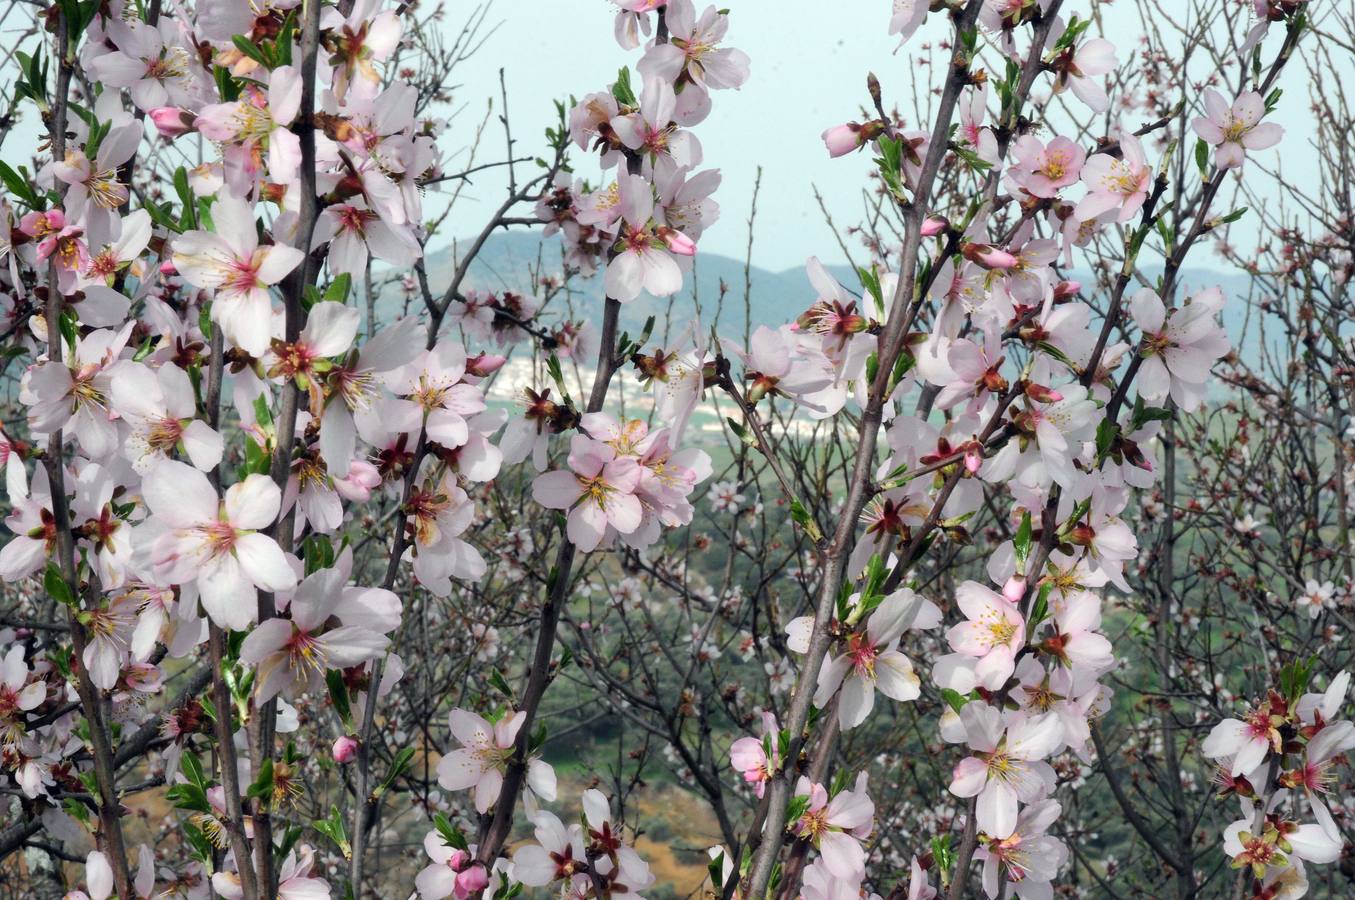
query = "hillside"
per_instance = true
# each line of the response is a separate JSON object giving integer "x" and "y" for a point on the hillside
{"x": 508, "y": 258}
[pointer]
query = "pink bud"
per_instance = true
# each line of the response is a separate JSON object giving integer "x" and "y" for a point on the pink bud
{"x": 471, "y": 881}
{"x": 973, "y": 461}
{"x": 171, "y": 121}
{"x": 989, "y": 257}
{"x": 842, "y": 139}
{"x": 485, "y": 364}
{"x": 458, "y": 860}
{"x": 934, "y": 225}
{"x": 167, "y": 268}
{"x": 345, "y": 748}
{"x": 1015, "y": 588}
{"x": 1066, "y": 289}
{"x": 677, "y": 242}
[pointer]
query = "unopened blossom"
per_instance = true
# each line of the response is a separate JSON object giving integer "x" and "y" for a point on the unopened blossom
{"x": 452, "y": 872}
{"x": 1233, "y": 130}
{"x": 750, "y": 757}
{"x": 230, "y": 260}
{"x": 193, "y": 535}
{"x": 483, "y": 756}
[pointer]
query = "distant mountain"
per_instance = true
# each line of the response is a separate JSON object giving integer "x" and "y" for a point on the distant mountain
{"x": 508, "y": 259}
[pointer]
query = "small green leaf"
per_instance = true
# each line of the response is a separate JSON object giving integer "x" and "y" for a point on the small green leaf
{"x": 56, "y": 586}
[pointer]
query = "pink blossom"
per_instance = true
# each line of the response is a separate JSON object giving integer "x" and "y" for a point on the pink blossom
{"x": 194, "y": 536}
{"x": 1116, "y": 183}
{"x": 1232, "y": 131}
{"x": 230, "y": 260}
{"x": 994, "y": 632}
{"x": 598, "y": 491}
{"x": 836, "y": 827}
{"x": 1007, "y": 767}
{"x": 1044, "y": 169}
{"x": 750, "y": 756}
{"x": 484, "y": 753}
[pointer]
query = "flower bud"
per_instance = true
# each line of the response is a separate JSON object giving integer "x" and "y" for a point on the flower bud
{"x": 1015, "y": 588}
{"x": 676, "y": 241}
{"x": 989, "y": 257}
{"x": 485, "y": 364}
{"x": 1041, "y": 394}
{"x": 472, "y": 880}
{"x": 171, "y": 121}
{"x": 345, "y": 748}
{"x": 842, "y": 139}
{"x": 934, "y": 225}
{"x": 167, "y": 267}
{"x": 1065, "y": 289}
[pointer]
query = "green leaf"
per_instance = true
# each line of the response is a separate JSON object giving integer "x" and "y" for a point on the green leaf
{"x": 500, "y": 684}
{"x": 1202, "y": 157}
{"x": 262, "y": 788}
{"x": 1022, "y": 541}
{"x": 338, "y": 696}
{"x": 450, "y": 834}
{"x": 19, "y": 187}
{"x": 333, "y": 828}
{"x": 398, "y": 767}
{"x": 622, "y": 90}
{"x": 338, "y": 288}
{"x": 192, "y": 769}
{"x": 250, "y": 49}
{"x": 54, "y": 583}
{"x": 954, "y": 699}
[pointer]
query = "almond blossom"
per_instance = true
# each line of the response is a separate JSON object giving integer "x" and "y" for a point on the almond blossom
{"x": 872, "y": 660}
{"x": 1007, "y": 767}
{"x": 1233, "y": 130}
{"x": 231, "y": 261}
{"x": 480, "y": 761}
{"x": 194, "y": 535}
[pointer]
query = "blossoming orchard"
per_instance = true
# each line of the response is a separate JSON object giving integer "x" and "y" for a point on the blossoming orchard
{"x": 1014, "y": 560}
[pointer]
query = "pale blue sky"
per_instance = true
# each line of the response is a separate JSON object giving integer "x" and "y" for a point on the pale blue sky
{"x": 809, "y": 63}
